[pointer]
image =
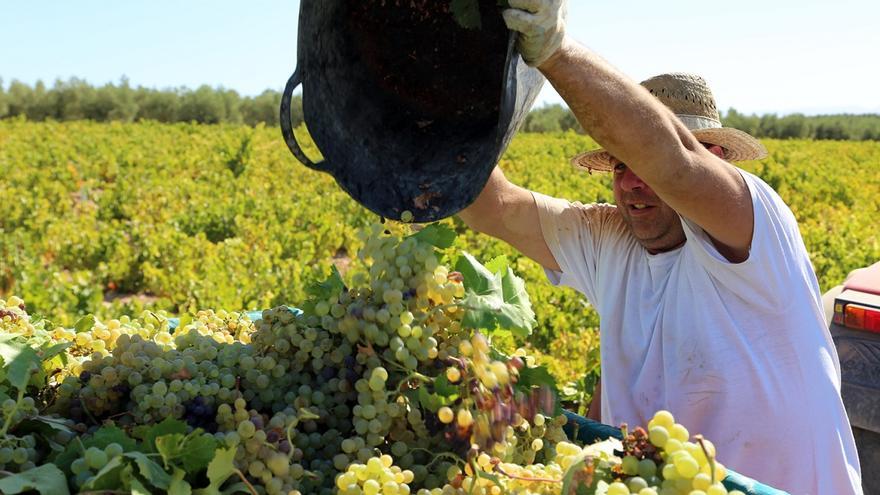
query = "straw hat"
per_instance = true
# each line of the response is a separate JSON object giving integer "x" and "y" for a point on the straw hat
{"x": 689, "y": 97}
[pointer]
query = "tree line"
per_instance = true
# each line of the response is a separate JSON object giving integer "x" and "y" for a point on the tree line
{"x": 844, "y": 127}
{"x": 76, "y": 99}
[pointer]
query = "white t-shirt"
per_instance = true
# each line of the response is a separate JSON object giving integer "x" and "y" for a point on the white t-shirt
{"x": 739, "y": 352}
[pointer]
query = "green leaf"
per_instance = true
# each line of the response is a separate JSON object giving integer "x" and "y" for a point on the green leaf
{"x": 20, "y": 361}
{"x": 444, "y": 388}
{"x": 179, "y": 486}
{"x": 516, "y": 312}
{"x": 437, "y": 234}
{"x": 492, "y": 300}
{"x": 498, "y": 264}
{"x": 476, "y": 277}
{"x": 46, "y": 479}
{"x": 219, "y": 470}
{"x": 85, "y": 324}
{"x": 467, "y": 13}
{"x": 137, "y": 488}
{"x": 170, "y": 447}
{"x": 54, "y": 350}
{"x": 108, "y": 478}
{"x": 325, "y": 289}
{"x": 168, "y": 426}
{"x": 537, "y": 376}
{"x": 194, "y": 451}
{"x": 150, "y": 470}
{"x": 199, "y": 450}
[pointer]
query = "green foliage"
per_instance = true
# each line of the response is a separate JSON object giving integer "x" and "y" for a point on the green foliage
{"x": 76, "y": 99}
{"x": 112, "y": 219}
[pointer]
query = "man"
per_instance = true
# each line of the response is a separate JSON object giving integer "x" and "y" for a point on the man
{"x": 708, "y": 302}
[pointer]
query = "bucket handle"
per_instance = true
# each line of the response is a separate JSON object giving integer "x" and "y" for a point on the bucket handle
{"x": 287, "y": 129}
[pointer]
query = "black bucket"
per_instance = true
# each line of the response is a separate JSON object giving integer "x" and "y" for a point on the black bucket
{"x": 410, "y": 111}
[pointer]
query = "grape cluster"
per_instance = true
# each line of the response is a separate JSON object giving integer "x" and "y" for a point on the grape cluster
{"x": 18, "y": 453}
{"x": 93, "y": 459}
{"x": 373, "y": 388}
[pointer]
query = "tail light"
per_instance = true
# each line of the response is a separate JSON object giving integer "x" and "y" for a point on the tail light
{"x": 857, "y": 317}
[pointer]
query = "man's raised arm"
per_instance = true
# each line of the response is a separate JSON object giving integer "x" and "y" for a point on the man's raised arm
{"x": 508, "y": 212}
{"x": 636, "y": 128}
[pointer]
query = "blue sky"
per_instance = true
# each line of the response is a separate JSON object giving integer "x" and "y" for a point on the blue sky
{"x": 779, "y": 56}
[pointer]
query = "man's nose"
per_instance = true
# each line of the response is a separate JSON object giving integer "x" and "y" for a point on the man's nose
{"x": 630, "y": 181}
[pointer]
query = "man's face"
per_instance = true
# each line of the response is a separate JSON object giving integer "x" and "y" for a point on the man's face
{"x": 654, "y": 224}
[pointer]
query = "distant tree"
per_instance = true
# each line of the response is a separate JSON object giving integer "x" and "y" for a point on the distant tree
{"x": 125, "y": 106}
{"x": 163, "y": 106}
{"x": 264, "y": 108}
{"x": 203, "y": 105}
{"x": 4, "y": 100}
{"x": 551, "y": 118}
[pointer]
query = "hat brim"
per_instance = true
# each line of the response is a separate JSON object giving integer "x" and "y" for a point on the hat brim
{"x": 738, "y": 146}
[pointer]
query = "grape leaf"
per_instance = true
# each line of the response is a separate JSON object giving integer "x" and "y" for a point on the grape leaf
{"x": 444, "y": 388}
{"x": 494, "y": 300}
{"x": 438, "y": 235}
{"x": 179, "y": 486}
{"x": 195, "y": 450}
{"x": 108, "y": 478}
{"x": 325, "y": 289}
{"x": 516, "y": 312}
{"x": 150, "y": 470}
{"x": 168, "y": 426}
{"x": 498, "y": 264}
{"x": 46, "y": 479}
{"x": 85, "y": 324}
{"x": 539, "y": 377}
{"x": 19, "y": 361}
{"x": 128, "y": 479}
{"x": 219, "y": 470}
{"x": 466, "y": 13}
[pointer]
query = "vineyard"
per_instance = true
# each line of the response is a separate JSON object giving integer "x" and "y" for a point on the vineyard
{"x": 185, "y": 309}
{"x": 113, "y": 219}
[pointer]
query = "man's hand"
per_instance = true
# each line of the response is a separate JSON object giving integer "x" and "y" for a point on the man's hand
{"x": 541, "y": 24}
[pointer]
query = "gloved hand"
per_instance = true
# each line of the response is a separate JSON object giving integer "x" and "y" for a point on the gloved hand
{"x": 541, "y": 24}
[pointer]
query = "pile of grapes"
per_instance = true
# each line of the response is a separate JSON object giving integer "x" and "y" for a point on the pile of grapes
{"x": 386, "y": 385}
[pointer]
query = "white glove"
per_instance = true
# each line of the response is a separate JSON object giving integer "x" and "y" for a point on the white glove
{"x": 541, "y": 24}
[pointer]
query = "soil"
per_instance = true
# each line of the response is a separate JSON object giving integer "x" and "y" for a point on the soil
{"x": 435, "y": 68}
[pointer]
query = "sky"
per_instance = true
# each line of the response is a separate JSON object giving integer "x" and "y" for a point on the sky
{"x": 759, "y": 56}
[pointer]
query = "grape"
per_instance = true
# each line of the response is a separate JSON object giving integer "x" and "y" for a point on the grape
{"x": 445, "y": 414}
{"x": 95, "y": 458}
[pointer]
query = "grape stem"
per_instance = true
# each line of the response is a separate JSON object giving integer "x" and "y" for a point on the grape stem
{"x": 436, "y": 457}
{"x": 524, "y": 478}
{"x": 246, "y": 482}
{"x": 709, "y": 457}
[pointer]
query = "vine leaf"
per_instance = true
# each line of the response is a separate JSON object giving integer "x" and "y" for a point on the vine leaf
{"x": 494, "y": 300}
{"x": 46, "y": 479}
{"x": 19, "y": 361}
{"x": 437, "y": 234}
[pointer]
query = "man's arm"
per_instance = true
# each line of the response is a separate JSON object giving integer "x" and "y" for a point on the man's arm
{"x": 508, "y": 212}
{"x": 633, "y": 126}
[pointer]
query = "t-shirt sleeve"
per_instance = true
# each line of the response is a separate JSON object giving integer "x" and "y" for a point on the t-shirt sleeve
{"x": 573, "y": 233}
{"x": 776, "y": 256}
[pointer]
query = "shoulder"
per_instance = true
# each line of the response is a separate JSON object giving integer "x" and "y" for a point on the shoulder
{"x": 564, "y": 212}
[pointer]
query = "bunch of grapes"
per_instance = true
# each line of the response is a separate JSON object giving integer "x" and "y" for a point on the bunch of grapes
{"x": 18, "y": 453}
{"x": 374, "y": 388}
{"x": 92, "y": 460}
{"x": 378, "y": 475}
